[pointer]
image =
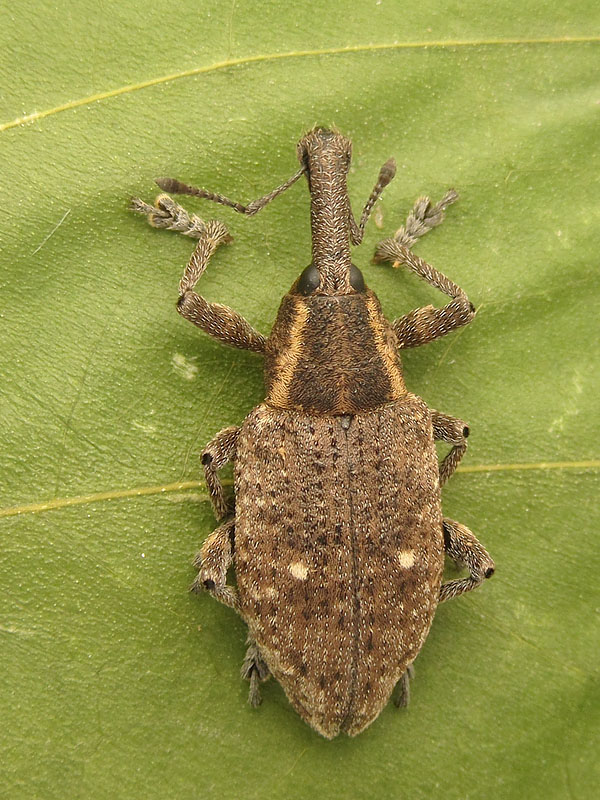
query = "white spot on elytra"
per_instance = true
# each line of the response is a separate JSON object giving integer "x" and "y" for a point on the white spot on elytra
{"x": 406, "y": 558}
{"x": 298, "y": 570}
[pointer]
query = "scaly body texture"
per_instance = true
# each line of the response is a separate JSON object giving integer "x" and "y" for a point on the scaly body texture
{"x": 338, "y": 584}
{"x": 336, "y": 530}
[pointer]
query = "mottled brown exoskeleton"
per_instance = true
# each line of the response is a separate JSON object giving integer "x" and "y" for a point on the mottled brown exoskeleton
{"x": 337, "y": 533}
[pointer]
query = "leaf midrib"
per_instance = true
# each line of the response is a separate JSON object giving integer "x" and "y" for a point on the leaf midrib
{"x": 265, "y": 57}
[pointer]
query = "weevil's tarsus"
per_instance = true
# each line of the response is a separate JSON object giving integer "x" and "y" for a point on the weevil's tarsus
{"x": 177, "y": 187}
{"x": 167, "y": 214}
{"x": 423, "y": 218}
{"x": 463, "y": 547}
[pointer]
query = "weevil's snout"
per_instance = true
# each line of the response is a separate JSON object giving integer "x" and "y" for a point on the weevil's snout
{"x": 321, "y": 146}
{"x": 325, "y": 157}
{"x": 310, "y": 283}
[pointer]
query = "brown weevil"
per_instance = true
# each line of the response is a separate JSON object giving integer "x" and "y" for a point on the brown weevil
{"x": 336, "y": 529}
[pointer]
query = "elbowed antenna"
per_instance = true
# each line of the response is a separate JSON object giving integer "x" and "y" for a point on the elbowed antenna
{"x": 177, "y": 187}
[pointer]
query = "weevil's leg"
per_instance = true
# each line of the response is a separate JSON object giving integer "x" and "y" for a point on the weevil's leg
{"x": 219, "y": 321}
{"x": 215, "y": 319}
{"x": 423, "y": 218}
{"x": 464, "y": 548}
{"x": 386, "y": 174}
{"x": 428, "y": 323}
{"x": 170, "y": 215}
{"x": 455, "y": 432}
{"x": 425, "y": 324}
{"x": 215, "y": 455}
{"x": 255, "y": 670}
{"x": 213, "y": 561}
{"x": 402, "y": 698}
{"x": 177, "y": 187}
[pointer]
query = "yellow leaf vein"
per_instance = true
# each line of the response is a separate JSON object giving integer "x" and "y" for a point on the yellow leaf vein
{"x": 266, "y": 57}
{"x": 142, "y": 491}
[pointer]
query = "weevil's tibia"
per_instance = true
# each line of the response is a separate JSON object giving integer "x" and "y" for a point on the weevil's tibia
{"x": 215, "y": 234}
{"x": 454, "y": 431}
{"x": 219, "y": 321}
{"x": 215, "y": 455}
{"x": 424, "y": 325}
{"x": 213, "y": 561}
{"x": 463, "y": 547}
{"x": 177, "y": 187}
{"x": 255, "y": 670}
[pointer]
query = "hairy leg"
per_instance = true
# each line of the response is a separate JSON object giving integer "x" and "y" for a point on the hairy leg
{"x": 464, "y": 548}
{"x": 219, "y": 321}
{"x": 454, "y": 431}
{"x": 255, "y": 670}
{"x": 425, "y": 324}
{"x": 213, "y": 561}
{"x": 215, "y": 455}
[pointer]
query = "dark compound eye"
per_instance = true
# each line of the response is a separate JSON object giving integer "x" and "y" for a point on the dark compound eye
{"x": 356, "y": 279}
{"x": 309, "y": 280}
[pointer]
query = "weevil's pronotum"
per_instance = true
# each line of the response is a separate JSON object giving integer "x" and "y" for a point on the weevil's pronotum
{"x": 336, "y": 529}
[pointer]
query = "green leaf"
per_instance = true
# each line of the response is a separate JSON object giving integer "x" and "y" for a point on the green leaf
{"x": 118, "y": 683}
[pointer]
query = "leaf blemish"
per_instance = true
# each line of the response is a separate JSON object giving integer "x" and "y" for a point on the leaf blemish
{"x": 184, "y": 367}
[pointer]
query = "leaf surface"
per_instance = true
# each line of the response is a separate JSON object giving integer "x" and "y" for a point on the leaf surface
{"x": 120, "y": 684}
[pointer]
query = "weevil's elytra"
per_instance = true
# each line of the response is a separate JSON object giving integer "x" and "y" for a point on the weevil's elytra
{"x": 337, "y": 630}
{"x": 336, "y": 529}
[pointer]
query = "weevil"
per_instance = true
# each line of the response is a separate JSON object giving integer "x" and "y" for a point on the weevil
{"x": 335, "y": 530}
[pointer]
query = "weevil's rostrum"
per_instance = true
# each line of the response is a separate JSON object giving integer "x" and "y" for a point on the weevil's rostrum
{"x": 336, "y": 530}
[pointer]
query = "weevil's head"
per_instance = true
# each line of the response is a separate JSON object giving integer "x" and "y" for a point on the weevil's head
{"x": 325, "y": 157}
